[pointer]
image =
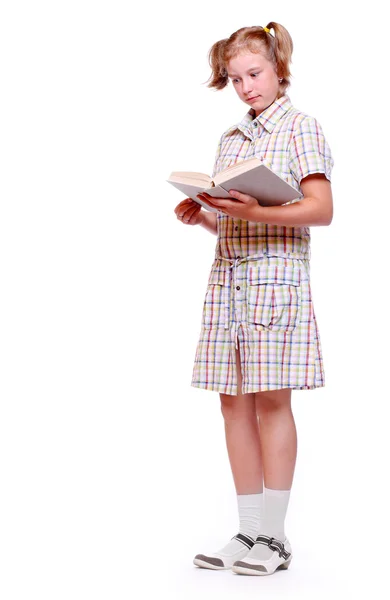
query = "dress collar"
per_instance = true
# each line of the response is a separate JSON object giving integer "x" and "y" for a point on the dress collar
{"x": 268, "y": 118}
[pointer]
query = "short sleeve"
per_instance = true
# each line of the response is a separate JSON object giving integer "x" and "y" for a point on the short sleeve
{"x": 309, "y": 150}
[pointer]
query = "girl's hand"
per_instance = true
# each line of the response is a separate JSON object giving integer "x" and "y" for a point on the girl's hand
{"x": 245, "y": 207}
{"x": 189, "y": 212}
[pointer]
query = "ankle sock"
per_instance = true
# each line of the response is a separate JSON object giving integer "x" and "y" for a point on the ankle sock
{"x": 250, "y": 512}
{"x": 275, "y": 509}
{"x": 272, "y": 523}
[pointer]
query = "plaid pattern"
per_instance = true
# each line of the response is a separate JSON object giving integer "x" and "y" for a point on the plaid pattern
{"x": 258, "y": 297}
{"x": 293, "y": 145}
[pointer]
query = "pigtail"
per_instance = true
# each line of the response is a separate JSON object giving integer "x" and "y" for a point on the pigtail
{"x": 282, "y": 49}
{"x": 216, "y": 56}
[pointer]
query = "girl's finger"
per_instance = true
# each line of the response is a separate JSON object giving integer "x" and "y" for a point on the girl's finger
{"x": 185, "y": 203}
{"x": 182, "y": 206}
{"x": 190, "y": 212}
{"x": 194, "y": 214}
{"x": 220, "y": 208}
{"x": 208, "y": 202}
{"x": 184, "y": 213}
{"x": 192, "y": 209}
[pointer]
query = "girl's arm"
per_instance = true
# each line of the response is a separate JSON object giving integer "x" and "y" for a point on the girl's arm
{"x": 315, "y": 208}
{"x": 209, "y": 221}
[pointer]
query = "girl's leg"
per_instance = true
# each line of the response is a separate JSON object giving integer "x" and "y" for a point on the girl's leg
{"x": 244, "y": 451}
{"x": 278, "y": 440}
{"x": 278, "y": 437}
{"x": 242, "y": 438}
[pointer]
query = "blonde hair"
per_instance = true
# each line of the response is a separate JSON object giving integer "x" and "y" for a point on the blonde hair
{"x": 277, "y": 49}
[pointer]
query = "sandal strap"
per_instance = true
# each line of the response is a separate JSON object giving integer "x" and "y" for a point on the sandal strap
{"x": 274, "y": 544}
{"x": 244, "y": 539}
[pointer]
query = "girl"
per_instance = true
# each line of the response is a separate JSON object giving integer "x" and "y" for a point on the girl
{"x": 259, "y": 338}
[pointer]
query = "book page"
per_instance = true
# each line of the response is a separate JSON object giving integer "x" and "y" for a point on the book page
{"x": 237, "y": 169}
{"x": 191, "y": 178}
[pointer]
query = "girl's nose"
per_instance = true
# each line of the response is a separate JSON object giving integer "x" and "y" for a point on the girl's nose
{"x": 247, "y": 86}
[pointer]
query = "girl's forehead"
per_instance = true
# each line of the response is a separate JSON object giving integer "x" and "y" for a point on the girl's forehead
{"x": 247, "y": 60}
{"x": 245, "y": 57}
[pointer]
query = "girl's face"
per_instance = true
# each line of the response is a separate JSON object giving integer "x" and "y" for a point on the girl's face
{"x": 253, "y": 76}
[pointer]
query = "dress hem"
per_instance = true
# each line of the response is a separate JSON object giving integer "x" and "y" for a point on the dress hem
{"x": 222, "y": 389}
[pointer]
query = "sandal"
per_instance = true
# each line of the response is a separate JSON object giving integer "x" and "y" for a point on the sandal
{"x": 219, "y": 561}
{"x": 280, "y": 559}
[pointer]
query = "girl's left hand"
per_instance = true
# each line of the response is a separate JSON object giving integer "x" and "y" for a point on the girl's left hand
{"x": 244, "y": 207}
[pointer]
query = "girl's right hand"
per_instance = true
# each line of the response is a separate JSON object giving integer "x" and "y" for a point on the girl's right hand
{"x": 189, "y": 212}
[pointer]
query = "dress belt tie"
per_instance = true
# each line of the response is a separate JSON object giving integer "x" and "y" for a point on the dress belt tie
{"x": 234, "y": 263}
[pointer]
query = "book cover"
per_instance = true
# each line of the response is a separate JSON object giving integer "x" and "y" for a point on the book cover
{"x": 251, "y": 177}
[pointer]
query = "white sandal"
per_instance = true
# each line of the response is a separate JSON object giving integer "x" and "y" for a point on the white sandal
{"x": 220, "y": 561}
{"x": 280, "y": 559}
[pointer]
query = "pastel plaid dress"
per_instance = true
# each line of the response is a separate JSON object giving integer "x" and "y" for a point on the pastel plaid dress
{"x": 258, "y": 297}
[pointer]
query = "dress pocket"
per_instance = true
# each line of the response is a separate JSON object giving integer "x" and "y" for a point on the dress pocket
{"x": 274, "y": 297}
{"x": 216, "y": 307}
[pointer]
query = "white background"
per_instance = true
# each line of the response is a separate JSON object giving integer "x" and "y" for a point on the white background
{"x": 113, "y": 469}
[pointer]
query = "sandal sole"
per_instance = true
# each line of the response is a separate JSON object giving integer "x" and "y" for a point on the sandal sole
{"x": 248, "y": 571}
{"x": 206, "y": 565}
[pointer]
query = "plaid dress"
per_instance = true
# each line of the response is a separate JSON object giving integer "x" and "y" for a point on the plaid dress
{"x": 258, "y": 297}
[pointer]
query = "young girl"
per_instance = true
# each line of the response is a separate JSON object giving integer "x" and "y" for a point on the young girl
{"x": 259, "y": 338}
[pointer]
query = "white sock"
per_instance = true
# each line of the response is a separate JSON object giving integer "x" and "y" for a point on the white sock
{"x": 275, "y": 509}
{"x": 272, "y": 524}
{"x": 250, "y": 512}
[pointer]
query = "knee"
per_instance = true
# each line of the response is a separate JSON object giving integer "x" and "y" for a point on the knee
{"x": 266, "y": 411}
{"x": 272, "y": 405}
{"x": 235, "y": 408}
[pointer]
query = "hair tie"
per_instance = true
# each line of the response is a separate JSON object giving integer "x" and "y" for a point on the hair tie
{"x": 266, "y": 29}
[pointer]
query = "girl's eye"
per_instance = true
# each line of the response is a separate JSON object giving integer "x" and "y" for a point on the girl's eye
{"x": 234, "y": 80}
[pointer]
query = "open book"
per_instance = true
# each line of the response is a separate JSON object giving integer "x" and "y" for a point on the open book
{"x": 251, "y": 176}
